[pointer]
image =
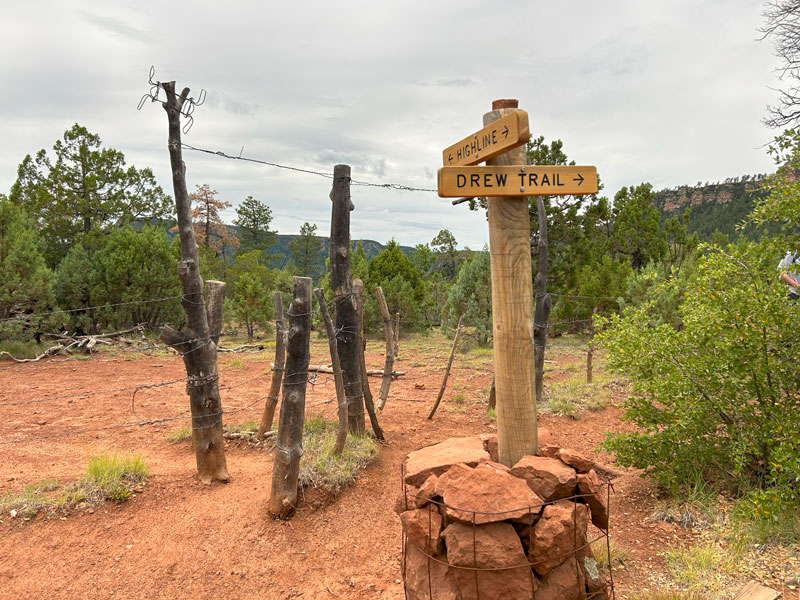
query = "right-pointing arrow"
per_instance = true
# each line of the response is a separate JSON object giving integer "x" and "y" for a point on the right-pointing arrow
{"x": 579, "y": 179}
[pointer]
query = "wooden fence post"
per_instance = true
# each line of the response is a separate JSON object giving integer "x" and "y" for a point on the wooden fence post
{"x": 397, "y": 335}
{"x": 512, "y": 301}
{"x": 390, "y": 338}
{"x": 590, "y": 351}
{"x": 289, "y": 445}
{"x": 346, "y": 322}
{"x": 358, "y": 290}
{"x": 447, "y": 370}
{"x": 341, "y": 399}
{"x": 277, "y": 370}
{"x": 197, "y": 344}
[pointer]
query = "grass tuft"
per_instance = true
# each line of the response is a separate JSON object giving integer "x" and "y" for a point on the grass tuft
{"x": 320, "y": 468}
{"x": 179, "y": 435}
{"x": 109, "y": 476}
{"x": 246, "y": 427}
{"x": 618, "y": 555}
{"x": 115, "y": 475}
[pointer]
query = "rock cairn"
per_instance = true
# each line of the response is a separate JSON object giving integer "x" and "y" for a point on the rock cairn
{"x": 474, "y": 529}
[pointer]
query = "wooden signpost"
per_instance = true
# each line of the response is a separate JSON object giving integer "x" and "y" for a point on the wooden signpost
{"x": 506, "y": 182}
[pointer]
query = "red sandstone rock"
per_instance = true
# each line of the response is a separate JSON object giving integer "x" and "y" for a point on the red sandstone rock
{"x": 457, "y": 470}
{"x": 548, "y": 477}
{"x": 496, "y": 466}
{"x": 545, "y": 438}
{"x": 423, "y": 527}
{"x": 593, "y": 492}
{"x": 427, "y": 491}
{"x": 488, "y": 494}
{"x": 565, "y": 582}
{"x": 436, "y": 459}
{"x": 490, "y": 445}
{"x": 577, "y": 461}
{"x": 560, "y": 531}
{"x": 494, "y": 545}
{"x": 407, "y": 499}
{"x": 428, "y": 578}
{"x": 550, "y": 451}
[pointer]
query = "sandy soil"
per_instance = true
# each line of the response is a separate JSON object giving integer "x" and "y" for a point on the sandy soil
{"x": 181, "y": 539}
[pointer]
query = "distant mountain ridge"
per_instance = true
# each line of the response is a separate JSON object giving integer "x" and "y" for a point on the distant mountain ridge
{"x": 715, "y": 206}
{"x": 280, "y": 247}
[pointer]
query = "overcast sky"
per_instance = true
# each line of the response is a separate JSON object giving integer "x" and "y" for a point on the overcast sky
{"x": 669, "y": 92}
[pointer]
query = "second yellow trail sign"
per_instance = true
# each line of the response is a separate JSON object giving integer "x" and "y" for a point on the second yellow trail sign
{"x": 536, "y": 180}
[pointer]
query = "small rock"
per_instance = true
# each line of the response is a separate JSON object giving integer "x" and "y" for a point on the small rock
{"x": 457, "y": 470}
{"x": 438, "y": 458}
{"x": 13, "y": 513}
{"x": 486, "y": 495}
{"x": 548, "y": 477}
{"x": 490, "y": 546}
{"x": 591, "y": 489}
{"x": 560, "y": 531}
{"x": 577, "y": 461}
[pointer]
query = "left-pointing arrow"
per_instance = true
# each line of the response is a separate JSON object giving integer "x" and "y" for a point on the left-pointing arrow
{"x": 450, "y": 159}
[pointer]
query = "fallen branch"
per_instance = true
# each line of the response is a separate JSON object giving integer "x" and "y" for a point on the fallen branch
{"x": 327, "y": 369}
{"x": 52, "y": 351}
{"x": 242, "y": 348}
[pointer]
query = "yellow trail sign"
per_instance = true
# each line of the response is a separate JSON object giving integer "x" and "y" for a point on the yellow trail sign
{"x": 533, "y": 180}
{"x": 493, "y": 140}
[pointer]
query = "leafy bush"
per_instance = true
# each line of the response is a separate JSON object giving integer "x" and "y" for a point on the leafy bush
{"x": 721, "y": 395}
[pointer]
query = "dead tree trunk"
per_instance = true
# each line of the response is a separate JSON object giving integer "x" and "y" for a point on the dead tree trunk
{"x": 492, "y": 396}
{"x": 358, "y": 290}
{"x": 198, "y": 343}
{"x": 277, "y": 370}
{"x": 289, "y": 445}
{"x": 346, "y": 322}
{"x": 390, "y": 338}
{"x": 447, "y": 370}
{"x": 341, "y": 400}
{"x": 397, "y": 335}
{"x": 542, "y": 312}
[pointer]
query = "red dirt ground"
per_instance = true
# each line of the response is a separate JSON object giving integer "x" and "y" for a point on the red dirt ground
{"x": 181, "y": 539}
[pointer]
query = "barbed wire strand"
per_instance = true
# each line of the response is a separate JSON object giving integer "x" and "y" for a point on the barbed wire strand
{"x": 392, "y": 186}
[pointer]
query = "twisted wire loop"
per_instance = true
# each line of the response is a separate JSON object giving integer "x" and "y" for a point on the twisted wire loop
{"x": 196, "y": 381}
{"x": 154, "y": 95}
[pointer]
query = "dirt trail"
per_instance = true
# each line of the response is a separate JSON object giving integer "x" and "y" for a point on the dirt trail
{"x": 181, "y": 539}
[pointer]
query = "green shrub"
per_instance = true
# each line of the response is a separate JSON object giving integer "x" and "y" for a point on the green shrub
{"x": 720, "y": 394}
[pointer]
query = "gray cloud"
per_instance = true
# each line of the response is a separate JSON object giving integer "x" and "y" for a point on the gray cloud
{"x": 668, "y": 92}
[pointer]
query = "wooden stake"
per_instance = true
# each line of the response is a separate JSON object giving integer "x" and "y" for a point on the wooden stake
{"x": 197, "y": 344}
{"x": 277, "y": 369}
{"x": 346, "y": 321}
{"x": 447, "y": 370}
{"x": 389, "y": 361}
{"x": 590, "y": 351}
{"x": 397, "y": 335}
{"x": 358, "y": 290}
{"x": 512, "y": 300}
{"x": 289, "y": 445}
{"x": 341, "y": 434}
